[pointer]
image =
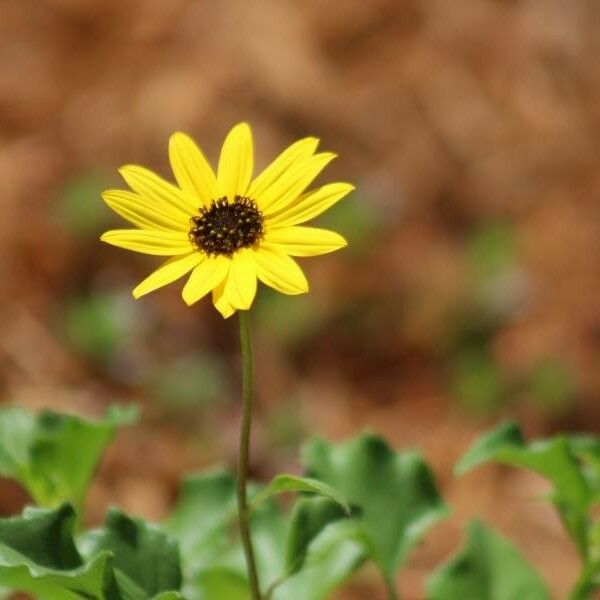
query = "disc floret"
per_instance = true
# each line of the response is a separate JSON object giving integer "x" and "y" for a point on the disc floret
{"x": 223, "y": 227}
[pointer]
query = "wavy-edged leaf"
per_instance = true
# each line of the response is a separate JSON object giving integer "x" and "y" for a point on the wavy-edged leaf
{"x": 126, "y": 560}
{"x": 54, "y": 456}
{"x": 146, "y": 559}
{"x": 556, "y": 459}
{"x": 488, "y": 568}
{"x": 38, "y": 556}
{"x": 308, "y": 519}
{"x": 291, "y": 483}
{"x": 395, "y": 492}
{"x": 330, "y": 559}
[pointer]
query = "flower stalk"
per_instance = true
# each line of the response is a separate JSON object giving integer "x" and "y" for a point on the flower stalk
{"x": 244, "y": 451}
{"x": 390, "y": 586}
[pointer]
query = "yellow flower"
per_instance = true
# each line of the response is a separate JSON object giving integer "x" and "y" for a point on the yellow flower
{"x": 228, "y": 229}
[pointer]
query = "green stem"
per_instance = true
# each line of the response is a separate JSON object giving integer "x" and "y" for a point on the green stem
{"x": 585, "y": 585}
{"x": 390, "y": 586}
{"x": 581, "y": 591}
{"x": 244, "y": 451}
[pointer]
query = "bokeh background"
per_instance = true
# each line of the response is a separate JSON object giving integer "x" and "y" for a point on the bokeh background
{"x": 469, "y": 293}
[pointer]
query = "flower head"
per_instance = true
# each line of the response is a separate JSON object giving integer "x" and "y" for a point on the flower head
{"x": 227, "y": 230}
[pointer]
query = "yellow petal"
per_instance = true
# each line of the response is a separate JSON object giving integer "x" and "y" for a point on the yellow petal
{"x": 143, "y": 213}
{"x": 160, "y": 243}
{"x": 169, "y": 271}
{"x": 292, "y": 183}
{"x": 240, "y": 287}
{"x": 305, "y": 241}
{"x": 311, "y": 204}
{"x": 151, "y": 186}
{"x": 299, "y": 150}
{"x": 220, "y": 301}
{"x": 279, "y": 271}
{"x": 192, "y": 171}
{"x": 236, "y": 162}
{"x": 204, "y": 278}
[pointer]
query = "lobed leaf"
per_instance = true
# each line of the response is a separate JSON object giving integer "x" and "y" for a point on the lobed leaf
{"x": 556, "y": 459}
{"x": 488, "y": 568}
{"x": 54, "y": 456}
{"x": 146, "y": 560}
{"x": 396, "y": 494}
{"x": 330, "y": 558}
{"x": 38, "y": 556}
{"x": 309, "y": 517}
{"x": 126, "y": 560}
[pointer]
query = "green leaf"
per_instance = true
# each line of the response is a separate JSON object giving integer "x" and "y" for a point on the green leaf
{"x": 334, "y": 554}
{"x": 221, "y": 582}
{"x": 290, "y": 483}
{"x": 488, "y": 568}
{"x": 205, "y": 522}
{"x": 554, "y": 459}
{"x": 395, "y": 492}
{"x": 587, "y": 450}
{"x": 205, "y": 509}
{"x": 126, "y": 560}
{"x": 38, "y": 556}
{"x": 146, "y": 560}
{"x": 54, "y": 456}
{"x": 309, "y": 517}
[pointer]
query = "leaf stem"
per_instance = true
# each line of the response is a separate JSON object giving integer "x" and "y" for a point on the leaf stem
{"x": 585, "y": 585}
{"x": 244, "y": 451}
{"x": 392, "y": 591}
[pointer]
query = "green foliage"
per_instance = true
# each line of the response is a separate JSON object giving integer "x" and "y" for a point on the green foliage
{"x": 359, "y": 501}
{"x": 290, "y": 483}
{"x": 571, "y": 464}
{"x": 38, "y": 555}
{"x": 78, "y": 207}
{"x": 394, "y": 492}
{"x": 54, "y": 456}
{"x": 146, "y": 561}
{"x": 488, "y": 568}
{"x": 309, "y": 516}
{"x": 551, "y": 385}
{"x": 329, "y": 558}
{"x": 492, "y": 249}
{"x": 205, "y": 522}
{"x": 553, "y": 459}
{"x": 96, "y": 325}
{"x": 478, "y": 382}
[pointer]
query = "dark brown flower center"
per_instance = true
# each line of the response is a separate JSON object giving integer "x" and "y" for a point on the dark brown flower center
{"x": 224, "y": 227}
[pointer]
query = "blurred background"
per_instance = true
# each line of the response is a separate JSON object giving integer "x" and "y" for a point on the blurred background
{"x": 470, "y": 289}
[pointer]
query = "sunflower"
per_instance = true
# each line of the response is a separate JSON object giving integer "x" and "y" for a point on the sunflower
{"x": 227, "y": 230}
